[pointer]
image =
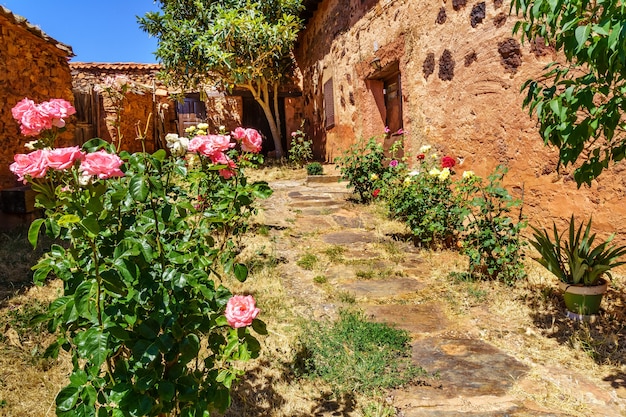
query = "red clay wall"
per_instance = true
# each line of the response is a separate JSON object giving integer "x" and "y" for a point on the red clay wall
{"x": 32, "y": 67}
{"x": 461, "y": 76}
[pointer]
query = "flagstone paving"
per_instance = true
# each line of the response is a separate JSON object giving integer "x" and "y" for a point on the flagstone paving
{"x": 473, "y": 377}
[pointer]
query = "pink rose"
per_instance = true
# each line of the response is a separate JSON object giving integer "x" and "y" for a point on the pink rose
{"x": 102, "y": 164}
{"x": 241, "y": 310}
{"x": 251, "y": 140}
{"x": 33, "y": 122}
{"x": 33, "y": 164}
{"x": 393, "y": 163}
{"x": 64, "y": 158}
{"x": 209, "y": 145}
{"x": 56, "y": 110}
{"x": 21, "y": 107}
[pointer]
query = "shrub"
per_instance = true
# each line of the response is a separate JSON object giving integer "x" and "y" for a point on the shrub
{"x": 300, "y": 148}
{"x": 492, "y": 237}
{"x": 367, "y": 170}
{"x": 427, "y": 203}
{"x": 314, "y": 168}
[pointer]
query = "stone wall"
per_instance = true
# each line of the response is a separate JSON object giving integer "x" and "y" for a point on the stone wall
{"x": 461, "y": 73}
{"x": 32, "y": 65}
{"x": 148, "y": 105}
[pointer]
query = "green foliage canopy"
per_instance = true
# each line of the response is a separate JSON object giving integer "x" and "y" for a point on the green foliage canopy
{"x": 232, "y": 43}
{"x": 580, "y": 101}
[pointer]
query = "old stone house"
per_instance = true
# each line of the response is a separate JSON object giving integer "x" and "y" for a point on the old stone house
{"x": 449, "y": 74}
{"x": 33, "y": 65}
{"x": 169, "y": 111}
{"x": 143, "y": 108}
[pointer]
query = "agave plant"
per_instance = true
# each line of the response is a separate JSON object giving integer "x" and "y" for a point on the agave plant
{"x": 574, "y": 260}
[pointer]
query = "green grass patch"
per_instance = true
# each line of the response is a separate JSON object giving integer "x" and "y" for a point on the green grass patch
{"x": 356, "y": 355}
{"x": 335, "y": 253}
{"x": 307, "y": 261}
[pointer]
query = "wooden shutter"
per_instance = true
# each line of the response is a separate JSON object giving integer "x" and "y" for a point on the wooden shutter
{"x": 329, "y": 104}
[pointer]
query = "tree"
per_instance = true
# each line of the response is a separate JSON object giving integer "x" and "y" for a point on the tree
{"x": 580, "y": 101}
{"x": 231, "y": 43}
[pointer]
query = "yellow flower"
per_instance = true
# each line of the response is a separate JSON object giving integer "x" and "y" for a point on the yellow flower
{"x": 468, "y": 174}
{"x": 374, "y": 177}
{"x": 434, "y": 172}
{"x": 203, "y": 126}
{"x": 434, "y": 156}
{"x": 190, "y": 129}
{"x": 407, "y": 180}
{"x": 444, "y": 174}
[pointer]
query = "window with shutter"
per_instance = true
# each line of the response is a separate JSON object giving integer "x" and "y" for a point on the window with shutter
{"x": 329, "y": 104}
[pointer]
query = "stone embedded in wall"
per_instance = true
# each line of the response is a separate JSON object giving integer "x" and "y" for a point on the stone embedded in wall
{"x": 499, "y": 20}
{"x": 539, "y": 48}
{"x": 429, "y": 65}
{"x": 470, "y": 58}
{"x": 510, "y": 54}
{"x": 441, "y": 16}
{"x": 446, "y": 66}
{"x": 351, "y": 98}
{"x": 497, "y": 3}
{"x": 478, "y": 14}
{"x": 458, "y": 4}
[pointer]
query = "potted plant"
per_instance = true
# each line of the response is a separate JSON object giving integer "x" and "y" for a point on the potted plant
{"x": 579, "y": 265}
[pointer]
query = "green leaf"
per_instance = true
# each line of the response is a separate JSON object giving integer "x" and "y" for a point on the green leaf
{"x": 68, "y": 219}
{"x": 582, "y": 34}
{"x": 92, "y": 344}
{"x": 33, "y": 231}
{"x": 67, "y": 398}
{"x": 138, "y": 188}
{"x": 241, "y": 272}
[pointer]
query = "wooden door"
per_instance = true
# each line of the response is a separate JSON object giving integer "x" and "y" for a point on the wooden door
{"x": 393, "y": 102}
{"x": 190, "y": 112}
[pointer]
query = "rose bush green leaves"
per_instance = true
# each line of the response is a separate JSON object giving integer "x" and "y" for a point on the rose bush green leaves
{"x": 143, "y": 270}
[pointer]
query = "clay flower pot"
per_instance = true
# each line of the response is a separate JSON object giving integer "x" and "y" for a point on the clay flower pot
{"x": 583, "y": 300}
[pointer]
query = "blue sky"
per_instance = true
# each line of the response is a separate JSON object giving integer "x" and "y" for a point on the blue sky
{"x": 97, "y": 30}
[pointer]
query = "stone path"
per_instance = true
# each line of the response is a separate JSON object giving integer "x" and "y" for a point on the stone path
{"x": 474, "y": 377}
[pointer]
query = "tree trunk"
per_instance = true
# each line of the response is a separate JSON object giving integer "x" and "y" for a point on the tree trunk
{"x": 261, "y": 95}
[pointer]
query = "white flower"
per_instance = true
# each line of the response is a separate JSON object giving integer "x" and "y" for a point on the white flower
{"x": 434, "y": 172}
{"x": 178, "y": 147}
{"x": 444, "y": 174}
{"x": 425, "y": 148}
{"x": 414, "y": 173}
{"x": 468, "y": 174}
{"x": 171, "y": 137}
{"x": 203, "y": 126}
{"x": 84, "y": 180}
{"x": 31, "y": 145}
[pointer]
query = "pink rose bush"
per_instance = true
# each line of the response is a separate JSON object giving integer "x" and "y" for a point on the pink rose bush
{"x": 241, "y": 311}
{"x": 144, "y": 236}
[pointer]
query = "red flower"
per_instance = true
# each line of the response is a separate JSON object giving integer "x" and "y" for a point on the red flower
{"x": 448, "y": 162}
{"x": 421, "y": 157}
{"x": 376, "y": 192}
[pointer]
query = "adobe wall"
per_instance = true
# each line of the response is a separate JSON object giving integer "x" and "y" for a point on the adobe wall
{"x": 139, "y": 109}
{"x": 30, "y": 67}
{"x": 461, "y": 76}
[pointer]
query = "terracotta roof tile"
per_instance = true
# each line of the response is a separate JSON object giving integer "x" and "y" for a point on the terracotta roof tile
{"x": 125, "y": 66}
{"x": 36, "y": 30}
